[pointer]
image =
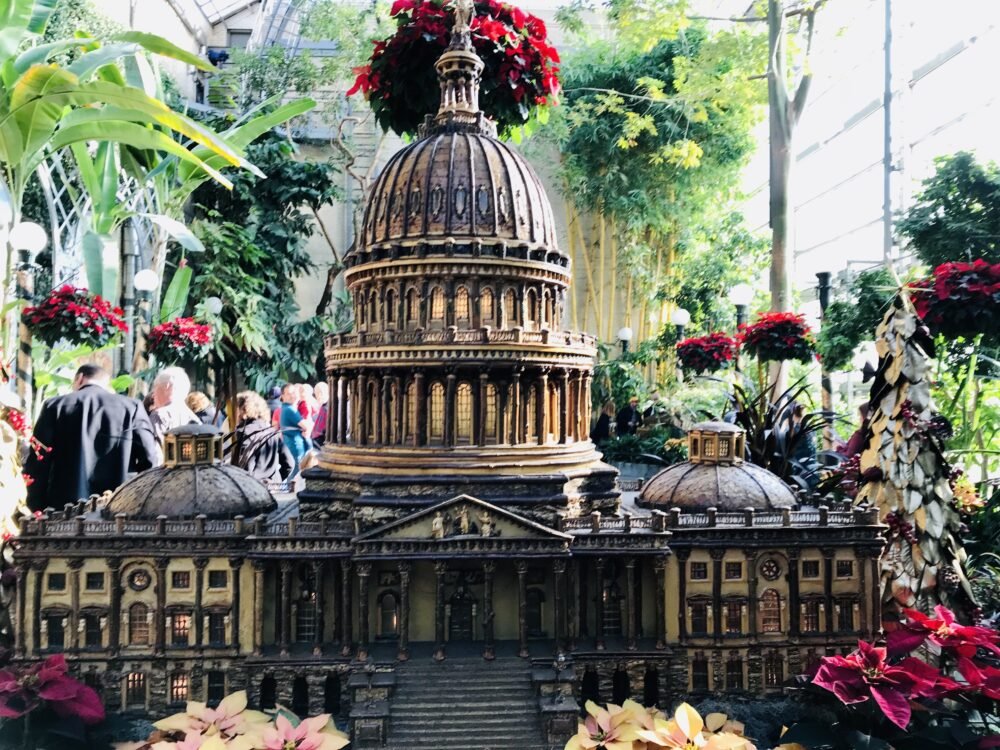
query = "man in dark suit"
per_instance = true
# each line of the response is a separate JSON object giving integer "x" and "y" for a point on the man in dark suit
{"x": 91, "y": 439}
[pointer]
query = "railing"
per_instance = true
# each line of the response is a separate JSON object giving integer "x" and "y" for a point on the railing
{"x": 162, "y": 526}
{"x": 484, "y": 335}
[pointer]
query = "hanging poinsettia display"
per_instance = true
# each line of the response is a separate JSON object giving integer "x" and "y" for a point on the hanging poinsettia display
{"x": 180, "y": 340}
{"x": 960, "y": 299}
{"x": 706, "y": 353}
{"x": 778, "y": 336}
{"x": 75, "y": 315}
{"x": 520, "y": 75}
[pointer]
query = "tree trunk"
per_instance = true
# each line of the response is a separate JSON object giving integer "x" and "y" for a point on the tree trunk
{"x": 781, "y": 124}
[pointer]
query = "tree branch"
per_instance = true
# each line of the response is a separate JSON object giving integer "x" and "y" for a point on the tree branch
{"x": 802, "y": 91}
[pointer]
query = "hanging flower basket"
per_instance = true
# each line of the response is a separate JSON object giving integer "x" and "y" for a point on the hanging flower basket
{"x": 180, "y": 340}
{"x": 960, "y": 299}
{"x": 706, "y": 353}
{"x": 778, "y": 336}
{"x": 400, "y": 82}
{"x": 76, "y": 316}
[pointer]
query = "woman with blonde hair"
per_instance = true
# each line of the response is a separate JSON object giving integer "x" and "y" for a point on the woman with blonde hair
{"x": 259, "y": 448}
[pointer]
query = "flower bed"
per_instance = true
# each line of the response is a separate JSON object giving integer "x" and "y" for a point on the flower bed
{"x": 706, "y": 353}
{"x": 960, "y": 299}
{"x": 76, "y": 316}
{"x": 400, "y": 82}
{"x": 778, "y": 336}
{"x": 180, "y": 340}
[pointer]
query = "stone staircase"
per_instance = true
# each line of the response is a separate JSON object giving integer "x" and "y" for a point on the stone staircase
{"x": 464, "y": 703}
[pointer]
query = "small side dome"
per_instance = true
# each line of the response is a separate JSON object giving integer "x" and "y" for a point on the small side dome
{"x": 716, "y": 476}
{"x": 193, "y": 481}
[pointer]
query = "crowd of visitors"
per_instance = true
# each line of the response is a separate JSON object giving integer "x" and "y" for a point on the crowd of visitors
{"x": 88, "y": 441}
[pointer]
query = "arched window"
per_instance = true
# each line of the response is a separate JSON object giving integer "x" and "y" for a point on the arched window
{"x": 651, "y": 687}
{"x": 486, "y": 306}
{"x": 437, "y": 304}
{"x": 554, "y": 414}
{"x": 546, "y": 308}
{"x": 138, "y": 625}
{"x": 490, "y": 428}
{"x": 410, "y": 412}
{"x": 774, "y": 669}
{"x": 435, "y": 424}
{"x": 373, "y": 305}
{"x": 372, "y": 407}
{"x": 268, "y": 693}
{"x": 621, "y": 690}
{"x": 388, "y": 614}
{"x": 362, "y": 310}
{"x": 462, "y": 309}
{"x": 699, "y": 672}
{"x": 590, "y": 686}
{"x": 392, "y": 428}
{"x": 770, "y": 611}
{"x": 331, "y": 694}
{"x": 535, "y": 601}
{"x": 510, "y": 316}
{"x": 412, "y": 314}
{"x": 463, "y": 410}
{"x": 390, "y": 307}
{"x": 300, "y": 696}
{"x": 531, "y": 435}
{"x": 531, "y": 309}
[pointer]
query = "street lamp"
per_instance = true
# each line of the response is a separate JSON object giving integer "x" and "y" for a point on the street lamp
{"x": 625, "y": 336}
{"x": 28, "y": 239}
{"x": 680, "y": 318}
{"x": 741, "y": 296}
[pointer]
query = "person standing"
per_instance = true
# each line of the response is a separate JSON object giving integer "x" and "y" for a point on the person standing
{"x": 258, "y": 447}
{"x": 321, "y": 392}
{"x": 602, "y": 430}
{"x": 293, "y": 425}
{"x": 205, "y": 410}
{"x": 93, "y": 438}
{"x": 170, "y": 387}
{"x": 628, "y": 419}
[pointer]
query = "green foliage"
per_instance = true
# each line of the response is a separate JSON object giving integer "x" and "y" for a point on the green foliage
{"x": 849, "y": 322}
{"x": 616, "y": 380}
{"x": 956, "y": 216}
{"x": 657, "y": 445}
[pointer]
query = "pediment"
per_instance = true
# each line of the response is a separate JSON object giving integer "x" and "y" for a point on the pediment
{"x": 462, "y": 518}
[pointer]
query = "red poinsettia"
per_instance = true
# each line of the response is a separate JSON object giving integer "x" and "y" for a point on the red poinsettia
{"x": 865, "y": 674}
{"x": 942, "y": 629}
{"x": 521, "y": 66}
{"x": 23, "y": 690}
{"x": 76, "y": 316}
{"x": 180, "y": 340}
{"x": 778, "y": 336}
{"x": 983, "y": 679}
{"x": 960, "y": 299}
{"x": 706, "y": 353}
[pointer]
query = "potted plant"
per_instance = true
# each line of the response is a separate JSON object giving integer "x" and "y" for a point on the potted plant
{"x": 74, "y": 315}
{"x": 701, "y": 354}
{"x": 181, "y": 340}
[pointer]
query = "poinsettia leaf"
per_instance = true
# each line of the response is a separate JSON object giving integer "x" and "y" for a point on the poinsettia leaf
{"x": 812, "y": 735}
{"x": 860, "y": 741}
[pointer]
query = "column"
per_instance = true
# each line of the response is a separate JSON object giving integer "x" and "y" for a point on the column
{"x": 573, "y": 604}
{"x": 828, "y": 554}
{"x": 522, "y": 609}
{"x": 439, "y": 571}
{"x": 449, "y": 410}
{"x": 345, "y": 611}
{"x": 876, "y": 608}
{"x": 341, "y": 412}
{"x": 793, "y": 593}
{"x": 559, "y": 574}
{"x": 404, "y": 612}
{"x": 22, "y": 605}
{"x": 398, "y": 408}
{"x": 364, "y": 573}
{"x": 489, "y": 652}
{"x": 420, "y": 393}
{"x": 503, "y": 430}
{"x": 751, "y": 594}
{"x": 332, "y": 409}
{"x": 74, "y": 593}
{"x": 258, "y": 606}
{"x": 286, "y": 605}
{"x": 160, "y": 616}
{"x": 318, "y": 570}
{"x": 682, "y": 557}
{"x": 717, "y": 555}
{"x": 515, "y": 409}
{"x": 564, "y": 414}
{"x": 599, "y": 604}
{"x": 361, "y": 420}
{"x": 863, "y": 586}
{"x": 385, "y": 417}
{"x": 660, "y": 568}
{"x": 36, "y": 605}
{"x": 541, "y": 407}
{"x": 582, "y": 429}
{"x": 630, "y": 604}
{"x": 479, "y": 411}
{"x": 586, "y": 403}
{"x": 199, "y": 587}
{"x": 115, "y": 613}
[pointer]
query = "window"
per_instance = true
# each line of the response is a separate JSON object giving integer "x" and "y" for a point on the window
{"x": 699, "y": 571}
{"x": 305, "y": 622}
{"x": 734, "y": 617}
{"x": 437, "y": 304}
{"x": 845, "y": 615}
{"x": 93, "y": 633}
{"x": 435, "y": 425}
{"x": 239, "y": 38}
{"x": 138, "y": 628}
{"x": 510, "y": 308}
{"x": 216, "y": 689}
{"x": 462, "y": 310}
{"x": 56, "y": 631}
{"x": 734, "y": 571}
{"x": 135, "y": 690}
{"x": 180, "y": 628}
{"x": 651, "y": 687}
{"x": 463, "y": 406}
{"x": 57, "y": 581}
{"x": 845, "y": 568}
{"x": 699, "y": 618}
{"x": 388, "y": 615}
{"x": 810, "y": 616}
{"x": 774, "y": 670}
{"x": 95, "y": 582}
{"x": 180, "y": 579}
{"x": 217, "y": 628}
{"x": 699, "y": 672}
{"x": 810, "y": 568}
{"x": 410, "y": 428}
{"x": 300, "y": 696}
{"x": 179, "y": 687}
{"x": 531, "y": 305}
{"x": 770, "y": 610}
{"x": 486, "y": 306}
{"x": 490, "y": 428}
{"x": 411, "y": 306}
{"x": 812, "y": 659}
{"x": 390, "y": 306}
{"x": 218, "y": 579}
{"x": 331, "y": 694}
{"x": 531, "y": 435}
{"x": 92, "y": 679}
{"x": 373, "y": 307}
{"x": 734, "y": 672}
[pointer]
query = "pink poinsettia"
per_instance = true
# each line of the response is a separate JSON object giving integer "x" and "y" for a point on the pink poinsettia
{"x": 865, "y": 674}
{"x": 310, "y": 734}
{"x": 942, "y": 629}
{"x": 23, "y": 690}
{"x": 239, "y": 727}
{"x": 609, "y": 728}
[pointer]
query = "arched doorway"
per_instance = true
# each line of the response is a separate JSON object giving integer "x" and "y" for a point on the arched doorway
{"x": 535, "y": 607}
{"x": 460, "y": 622}
{"x": 268, "y": 693}
{"x": 331, "y": 694}
{"x": 300, "y": 697}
